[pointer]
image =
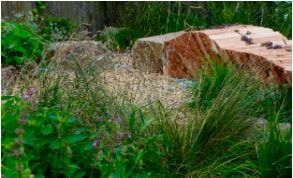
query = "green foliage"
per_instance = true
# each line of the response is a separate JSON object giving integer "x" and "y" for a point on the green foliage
{"x": 221, "y": 83}
{"x": 53, "y": 143}
{"x": 52, "y": 28}
{"x": 220, "y": 78}
{"x": 59, "y": 139}
{"x": 47, "y": 142}
{"x": 276, "y": 98}
{"x": 201, "y": 140}
{"x": 117, "y": 38}
{"x": 77, "y": 130}
{"x": 12, "y": 131}
{"x": 20, "y": 42}
{"x": 275, "y": 15}
{"x": 152, "y": 18}
{"x": 275, "y": 153}
{"x": 38, "y": 11}
{"x": 57, "y": 29}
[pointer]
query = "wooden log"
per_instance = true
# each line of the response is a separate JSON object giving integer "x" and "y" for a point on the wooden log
{"x": 262, "y": 50}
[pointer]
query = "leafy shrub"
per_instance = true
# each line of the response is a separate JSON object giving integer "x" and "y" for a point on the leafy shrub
{"x": 20, "y": 42}
{"x": 117, "y": 38}
{"x": 12, "y": 121}
{"x": 44, "y": 132}
{"x": 57, "y": 29}
{"x": 39, "y": 11}
{"x": 59, "y": 139}
{"x": 47, "y": 142}
{"x": 52, "y": 28}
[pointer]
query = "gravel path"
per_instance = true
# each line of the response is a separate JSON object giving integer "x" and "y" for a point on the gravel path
{"x": 143, "y": 88}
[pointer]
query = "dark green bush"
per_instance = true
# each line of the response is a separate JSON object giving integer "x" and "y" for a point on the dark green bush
{"x": 20, "y": 42}
{"x": 153, "y": 18}
{"x": 117, "y": 38}
{"x": 52, "y": 28}
{"x": 57, "y": 29}
{"x": 49, "y": 142}
{"x": 46, "y": 142}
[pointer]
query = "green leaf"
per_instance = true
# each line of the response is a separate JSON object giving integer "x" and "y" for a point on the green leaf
{"x": 48, "y": 130}
{"x": 138, "y": 156}
{"x": 7, "y": 97}
{"x": 88, "y": 147}
{"x": 80, "y": 175}
{"x": 75, "y": 138}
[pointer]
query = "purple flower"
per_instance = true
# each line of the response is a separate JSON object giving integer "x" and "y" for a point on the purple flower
{"x": 29, "y": 92}
{"x": 115, "y": 119}
{"x": 96, "y": 143}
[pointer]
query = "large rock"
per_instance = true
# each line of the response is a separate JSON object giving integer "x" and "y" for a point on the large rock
{"x": 148, "y": 53}
{"x": 262, "y": 50}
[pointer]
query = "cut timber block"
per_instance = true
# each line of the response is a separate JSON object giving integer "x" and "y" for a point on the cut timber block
{"x": 181, "y": 54}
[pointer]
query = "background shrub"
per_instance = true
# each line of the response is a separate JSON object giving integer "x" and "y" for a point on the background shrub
{"x": 152, "y": 18}
{"x": 117, "y": 38}
{"x": 57, "y": 29}
{"x": 20, "y": 42}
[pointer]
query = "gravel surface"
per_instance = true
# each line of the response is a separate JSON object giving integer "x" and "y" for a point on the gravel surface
{"x": 143, "y": 88}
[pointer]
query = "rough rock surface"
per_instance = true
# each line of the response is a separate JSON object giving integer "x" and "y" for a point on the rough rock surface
{"x": 148, "y": 52}
{"x": 262, "y": 50}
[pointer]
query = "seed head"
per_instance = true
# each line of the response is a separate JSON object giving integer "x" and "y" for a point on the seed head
{"x": 19, "y": 131}
{"x": 18, "y": 141}
{"x": 19, "y": 168}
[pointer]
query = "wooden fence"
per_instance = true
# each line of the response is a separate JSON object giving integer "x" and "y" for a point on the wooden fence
{"x": 98, "y": 13}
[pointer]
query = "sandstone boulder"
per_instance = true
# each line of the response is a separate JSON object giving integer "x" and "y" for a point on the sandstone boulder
{"x": 262, "y": 50}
